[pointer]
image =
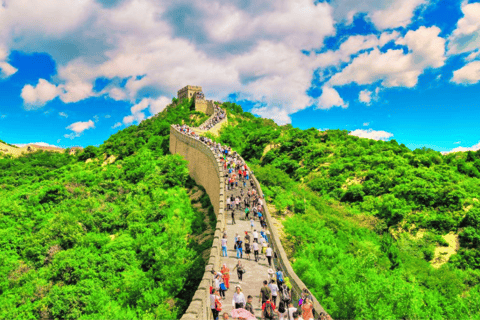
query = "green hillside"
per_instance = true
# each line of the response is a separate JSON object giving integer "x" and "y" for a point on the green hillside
{"x": 79, "y": 240}
{"x": 368, "y": 222}
{"x": 375, "y": 230}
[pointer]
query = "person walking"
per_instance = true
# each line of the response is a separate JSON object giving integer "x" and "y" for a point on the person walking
{"x": 247, "y": 212}
{"x": 269, "y": 254}
{"x": 265, "y": 293}
{"x": 238, "y": 300}
{"x": 240, "y": 271}
{"x": 307, "y": 309}
{"x": 239, "y": 248}
{"x": 255, "y": 251}
{"x": 255, "y": 235}
{"x": 274, "y": 289}
{"x": 251, "y": 224}
{"x": 233, "y": 216}
{"x": 247, "y": 249}
{"x": 279, "y": 275}
{"x": 215, "y": 304}
{"x": 249, "y": 306}
{"x": 226, "y": 275}
{"x": 268, "y": 310}
{"x": 224, "y": 246}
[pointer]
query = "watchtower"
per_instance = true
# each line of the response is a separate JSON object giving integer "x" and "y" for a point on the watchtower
{"x": 195, "y": 93}
{"x": 188, "y": 92}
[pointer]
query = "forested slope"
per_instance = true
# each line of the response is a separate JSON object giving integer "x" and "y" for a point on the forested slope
{"x": 89, "y": 240}
{"x": 368, "y": 221}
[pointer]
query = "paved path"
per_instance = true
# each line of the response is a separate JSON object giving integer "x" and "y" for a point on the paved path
{"x": 256, "y": 272}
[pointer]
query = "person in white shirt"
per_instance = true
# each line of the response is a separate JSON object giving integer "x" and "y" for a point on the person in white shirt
{"x": 255, "y": 250}
{"x": 255, "y": 236}
{"x": 291, "y": 310}
{"x": 274, "y": 288}
{"x": 238, "y": 300}
{"x": 269, "y": 255}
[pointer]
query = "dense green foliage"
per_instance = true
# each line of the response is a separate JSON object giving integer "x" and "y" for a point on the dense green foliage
{"x": 346, "y": 196}
{"x": 84, "y": 241}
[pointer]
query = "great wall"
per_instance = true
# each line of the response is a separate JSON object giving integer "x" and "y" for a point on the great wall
{"x": 207, "y": 170}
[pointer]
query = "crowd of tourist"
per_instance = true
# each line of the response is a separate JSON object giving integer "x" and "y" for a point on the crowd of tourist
{"x": 275, "y": 296}
{"x": 218, "y": 115}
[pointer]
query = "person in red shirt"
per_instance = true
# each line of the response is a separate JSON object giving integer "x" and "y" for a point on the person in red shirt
{"x": 268, "y": 310}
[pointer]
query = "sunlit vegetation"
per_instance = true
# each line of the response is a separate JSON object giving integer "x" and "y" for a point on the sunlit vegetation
{"x": 363, "y": 219}
{"x": 84, "y": 239}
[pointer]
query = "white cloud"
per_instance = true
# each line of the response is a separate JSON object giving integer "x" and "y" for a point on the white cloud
{"x": 464, "y": 149}
{"x": 457, "y": 142}
{"x": 371, "y": 134}
{"x": 352, "y": 46}
{"x": 154, "y": 105}
{"x": 384, "y": 14}
{"x": 36, "y": 97}
{"x": 394, "y": 68}
{"x": 134, "y": 38}
{"x": 466, "y": 37}
{"x": 63, "y": 114}
{"x": 468, "y": 74}
{"x": 78, "y": 128}
{"x": 366, "y": 124}
{"x": 6, "y": 69}
{"x": 330, "y": 98}
{"x": 365, "y": 96}
{"x": 116, "y": 125}
{"x": 108, "y": 116}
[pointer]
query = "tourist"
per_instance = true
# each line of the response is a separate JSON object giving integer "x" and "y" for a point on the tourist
{"x": 226, "y": 275}
{"x": 265, "y": 293}
{"x": 239, "y": 248}
{"x": 224, "y": 246}
{"x": 215, "y": 304}
{"x": 268, "y": 308}
{"x": 238, "y": 300}
{"x": 255, "y": 250}
{"x": 269, "y": 255}
{"x": 291, "y": 310}
{"x": 247, "y": 249}
{"x": 248, "y": 305}
{"x": 307, "y": 310}
{"x": 279, "y": 275}
{"x": 240, "y": 271}
{"x": 274, "y": 289}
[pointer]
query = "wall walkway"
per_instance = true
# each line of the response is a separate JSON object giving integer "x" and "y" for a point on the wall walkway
{"x": 207, "y": 171}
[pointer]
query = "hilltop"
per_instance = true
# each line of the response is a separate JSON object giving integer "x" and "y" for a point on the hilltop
{"x": 15, "y": 151}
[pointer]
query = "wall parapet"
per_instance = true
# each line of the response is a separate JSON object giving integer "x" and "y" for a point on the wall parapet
{"x": 199, "y": 308}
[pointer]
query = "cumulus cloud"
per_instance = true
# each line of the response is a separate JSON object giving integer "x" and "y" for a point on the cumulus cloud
{"x": 63, "y": 114}
{"x": 466, "y": 37}
{"x": 365, "y": 124}
{"x": 116, "y": 125}
{"x": 394, "y": 68}
{"x": 365, "y": 96}
{"x": 372, "y": 134}
{"x": 154, "y": 105}
{"x": 6, "y": 70}
{"x": 330, "y": 98}
{"x": 78, "y": 128}
{"x": 468, "y": 74}
{"x": 384, "y": 14}
{"x": 252, "y": 49}
{"x": 475, "y": 147}
{"x": 36, "y": 97}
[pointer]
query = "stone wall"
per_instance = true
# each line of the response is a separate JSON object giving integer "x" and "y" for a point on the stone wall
{"x": 207, "y": 171}
{"x": 202, "y": 105}
{"x": 188, "y": 92}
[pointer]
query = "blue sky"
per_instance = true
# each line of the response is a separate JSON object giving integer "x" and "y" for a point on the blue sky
{"x": 409, "y": 70}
